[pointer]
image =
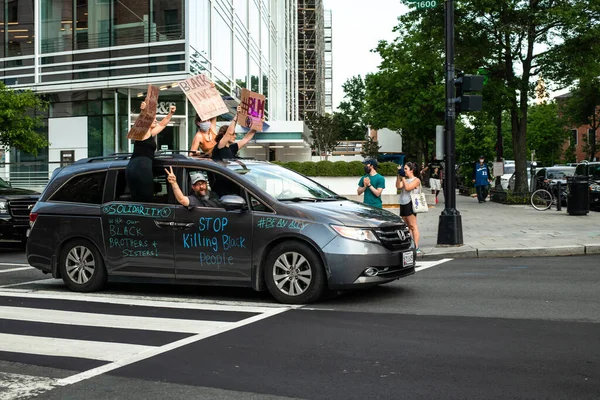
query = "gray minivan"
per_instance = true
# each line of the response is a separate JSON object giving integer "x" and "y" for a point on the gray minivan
{"x": 277, "y": 230}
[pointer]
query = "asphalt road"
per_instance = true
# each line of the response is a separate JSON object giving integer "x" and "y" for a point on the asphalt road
{"x": 518, "y": 328}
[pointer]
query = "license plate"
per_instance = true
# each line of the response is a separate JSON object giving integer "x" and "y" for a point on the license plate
{"x": 408, "y": 259}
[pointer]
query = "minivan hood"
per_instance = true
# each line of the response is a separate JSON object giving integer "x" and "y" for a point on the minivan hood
{"x": 348, "y": 212}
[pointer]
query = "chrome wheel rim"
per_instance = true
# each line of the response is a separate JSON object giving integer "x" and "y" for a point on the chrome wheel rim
{"x": 292, "y": 273}
{"x": 80, "y": 264}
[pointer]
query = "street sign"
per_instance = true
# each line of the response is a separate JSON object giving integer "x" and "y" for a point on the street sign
{"x": 426, "y": 4}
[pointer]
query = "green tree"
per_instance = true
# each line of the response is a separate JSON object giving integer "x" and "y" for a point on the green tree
{"x": 21, "y": 114}
{"x": 583, "y": 108}
{"x": 546, "y": 133}
{"x": 517, "y": 41}
{"x": 370, "y": 149}
{"x": 351, "y": 117}
{"x": 325, "y": 133}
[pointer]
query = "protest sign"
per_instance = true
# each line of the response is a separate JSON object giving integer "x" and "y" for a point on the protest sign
{"x": 146, "y": 117}
{"x": 204, "y": 97}
{"x": 253, "y": 110}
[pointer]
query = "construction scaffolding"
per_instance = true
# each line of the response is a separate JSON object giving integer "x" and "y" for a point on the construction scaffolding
{"x": 311, "y": 59}
{"x": 328, "y": 64}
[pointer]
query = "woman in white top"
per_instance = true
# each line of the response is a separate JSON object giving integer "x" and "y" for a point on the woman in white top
{"x": 407, "y": 181}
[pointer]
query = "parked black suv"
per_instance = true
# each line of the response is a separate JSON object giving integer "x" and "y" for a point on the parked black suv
{"x": 591, "y": 169}
{"x": 15, "y": 205}
{"x": 277, "y": 230}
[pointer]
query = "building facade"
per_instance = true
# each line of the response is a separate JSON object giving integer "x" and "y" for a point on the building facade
{"x": 94, "y": 59}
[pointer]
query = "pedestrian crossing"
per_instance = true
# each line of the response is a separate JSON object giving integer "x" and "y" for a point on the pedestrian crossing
{"x": 91, "y": 334}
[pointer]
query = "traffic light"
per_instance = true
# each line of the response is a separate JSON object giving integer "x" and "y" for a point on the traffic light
{"x": 464, "y": 84}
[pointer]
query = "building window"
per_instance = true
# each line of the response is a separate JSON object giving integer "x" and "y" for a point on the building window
{"x": 573, "y": 137}
{"x": 167, "y": 20}
{"x": 19, "y": 18}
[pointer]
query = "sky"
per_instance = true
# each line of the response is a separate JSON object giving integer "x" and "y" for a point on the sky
{"x": 357, "y": 27}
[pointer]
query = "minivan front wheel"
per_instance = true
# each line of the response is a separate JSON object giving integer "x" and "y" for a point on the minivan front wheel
{"x": 82, "y": 267}
{"x": 294, "y": 273}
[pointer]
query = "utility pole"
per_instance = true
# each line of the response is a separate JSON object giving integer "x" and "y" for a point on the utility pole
{"x": 450, "y": 223}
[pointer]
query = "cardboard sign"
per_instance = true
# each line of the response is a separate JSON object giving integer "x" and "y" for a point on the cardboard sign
{"x": 253, "y": 110}
{"x": 206, "y": 100}
{"x": 146, "y": 117}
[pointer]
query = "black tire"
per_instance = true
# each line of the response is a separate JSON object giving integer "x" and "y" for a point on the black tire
{"x": 81, "y": 266}
{"x": 302, "y": 280}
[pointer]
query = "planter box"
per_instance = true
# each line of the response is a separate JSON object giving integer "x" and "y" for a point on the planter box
{"x": 509, "y": 197}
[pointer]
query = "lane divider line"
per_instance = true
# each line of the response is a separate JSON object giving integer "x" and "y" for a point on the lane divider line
{"x": 14, "y": 269}
{"x": 429, "y": 264}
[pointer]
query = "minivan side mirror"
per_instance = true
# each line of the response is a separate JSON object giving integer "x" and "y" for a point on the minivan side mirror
{"x": 233, "y": 202}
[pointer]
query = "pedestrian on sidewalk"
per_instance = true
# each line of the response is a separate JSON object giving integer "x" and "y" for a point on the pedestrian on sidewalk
{"x": 371, "y": 184}
{"x": 407, "y": 181}
{"x": 435, "y": 176}
{"x": 481, "y": 178}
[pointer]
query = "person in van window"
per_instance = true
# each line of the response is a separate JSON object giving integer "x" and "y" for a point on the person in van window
{"x": 202, "y": 197}
{"x": 407, "y": 181}
{"x": 139, "y": 168}
{"x": 226, "y": 147}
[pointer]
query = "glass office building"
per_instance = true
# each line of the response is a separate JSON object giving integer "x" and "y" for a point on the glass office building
{"x": 93, "y": 60}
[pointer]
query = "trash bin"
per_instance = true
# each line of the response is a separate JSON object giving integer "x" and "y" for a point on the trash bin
{"x": 578, "y": 201}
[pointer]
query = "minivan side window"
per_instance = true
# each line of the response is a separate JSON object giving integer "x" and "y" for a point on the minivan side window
{"x": 160, "y": 192}
{"x": 85, "y": 188}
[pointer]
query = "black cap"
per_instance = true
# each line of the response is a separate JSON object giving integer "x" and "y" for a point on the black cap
{"x": 371, "y": 161}
{"x": 482, "y": 157}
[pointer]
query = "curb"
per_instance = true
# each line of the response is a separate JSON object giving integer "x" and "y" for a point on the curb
{"x": 458, "y": 253}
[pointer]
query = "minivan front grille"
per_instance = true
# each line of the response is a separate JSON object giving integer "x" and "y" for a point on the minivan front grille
{"x": 20, "y": 209}
{"x": 394, "y": 237}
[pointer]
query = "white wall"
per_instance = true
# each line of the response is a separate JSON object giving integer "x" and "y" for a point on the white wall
{"x": 66, "y": 134}
{"x": 348, "y": 185}
{"x": 338, "y": 158}
{"x": 390, "y": 141}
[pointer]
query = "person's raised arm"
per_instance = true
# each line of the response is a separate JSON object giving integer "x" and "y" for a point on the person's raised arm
{"x": 246, "y": 138}
{"x": 162, "y": 124}
{"x": 411, "y": 185}
{"x": 181, "y": 198}
{"x": 195, "y": 144}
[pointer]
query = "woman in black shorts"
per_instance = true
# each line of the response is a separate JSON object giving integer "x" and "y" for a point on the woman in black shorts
{"x": 407, "y": 181}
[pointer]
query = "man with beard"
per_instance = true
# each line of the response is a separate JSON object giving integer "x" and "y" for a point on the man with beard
{"x": 202, "y": 197}
{"x": 372, "y": 184}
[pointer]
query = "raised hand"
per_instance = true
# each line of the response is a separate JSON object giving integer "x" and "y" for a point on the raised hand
{"x": 172, "y": 109}
{"x": 171, "y": 176}
{"x": 143, "y": 105}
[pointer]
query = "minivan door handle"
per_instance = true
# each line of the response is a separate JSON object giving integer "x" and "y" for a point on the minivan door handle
{"x": 161, "y": 224}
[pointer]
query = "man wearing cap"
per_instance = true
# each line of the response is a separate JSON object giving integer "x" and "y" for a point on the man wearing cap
{"x": 202, "y": 197}
{"x": 371, "y": 184}
{"x": 481, "y": 178}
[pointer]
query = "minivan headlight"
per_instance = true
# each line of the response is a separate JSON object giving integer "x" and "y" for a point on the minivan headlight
{"x": 595, "y": 188}
{"x": 362, "y": 234}
{"x": 3, "y": 207}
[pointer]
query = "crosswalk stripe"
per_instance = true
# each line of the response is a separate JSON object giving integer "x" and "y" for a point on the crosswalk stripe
{"x": 15, "y": 269}
{"x": 108, "y": 321}
{"x": 45, "y": 346}
{"x": 195, "y": 303}
{"x": 421, "y": 265}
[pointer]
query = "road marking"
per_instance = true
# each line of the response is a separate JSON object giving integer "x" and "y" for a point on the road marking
{"x": 192, "y": 303}
{"x": 15, "y": 269}
{"x": 48, "y": 346}
{"x": 19, "y": 264}
{"x": 163, "y": 349}
{"x": 109, "y": 320}
{"x": 39, "y": 281}
{"x": 17, "y": 386}
{"x": 421, "y": 265}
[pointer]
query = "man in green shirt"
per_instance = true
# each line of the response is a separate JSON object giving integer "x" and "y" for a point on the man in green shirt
{"x": 372, "y": 184}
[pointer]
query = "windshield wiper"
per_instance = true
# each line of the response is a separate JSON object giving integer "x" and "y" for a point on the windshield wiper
{"x": 296, "y": 199}
{"x": 337, "y": 197}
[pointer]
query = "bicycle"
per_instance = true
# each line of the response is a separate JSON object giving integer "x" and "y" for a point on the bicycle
{"x": 544, "y": 198}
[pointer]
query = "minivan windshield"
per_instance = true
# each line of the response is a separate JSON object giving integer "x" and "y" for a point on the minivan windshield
{"x": 509, "y": 169}
{"x": 283, "y": 183}
{"x": 560, "y": 173}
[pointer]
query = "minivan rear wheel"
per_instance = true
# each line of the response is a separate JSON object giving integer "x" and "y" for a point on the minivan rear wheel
{"x": 294, "y": 273}
{"x": 81, "y": 266}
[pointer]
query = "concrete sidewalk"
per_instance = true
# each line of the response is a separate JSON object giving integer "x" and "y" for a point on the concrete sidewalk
{"x": 498, "y": 230}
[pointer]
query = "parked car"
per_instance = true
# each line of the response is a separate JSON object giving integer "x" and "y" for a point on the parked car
{"x": 15, "y": 204}
{"x": 511, "y": 181}
{"x": 592, "y": 170}
{"x": 553, "y": 176}
{"x": 509, "y": 170}
{"x": 277, "y": 230}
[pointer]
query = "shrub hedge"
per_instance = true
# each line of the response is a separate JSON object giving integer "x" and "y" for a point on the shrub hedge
{"x": 337, "y": 168}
